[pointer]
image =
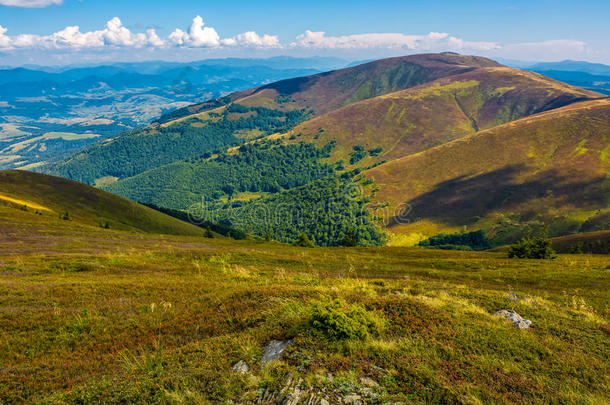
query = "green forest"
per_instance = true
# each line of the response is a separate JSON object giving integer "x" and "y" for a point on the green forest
{"x": 267, "y": 167}
{"x": 324, "y": 210}
{"x": 137, "y": 151}
{"x": 296, "y": 192}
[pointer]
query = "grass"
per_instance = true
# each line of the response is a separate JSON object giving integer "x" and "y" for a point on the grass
{"x": 103, "y": 316}
{"x": 525, "y": 171}
{"x": 416, "y": 119}
{"x": 52, "y": 197}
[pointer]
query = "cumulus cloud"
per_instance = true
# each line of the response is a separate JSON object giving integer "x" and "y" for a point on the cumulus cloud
{"x": 252, "y": 39}
{"x": 553, "y": 49}
{"x": 458, "y": 44}
{"x": 30, "y": 3}
{"x": 114, "y": 34}
{"x": 431, "y": 41}
{"x": 197, "y": 36}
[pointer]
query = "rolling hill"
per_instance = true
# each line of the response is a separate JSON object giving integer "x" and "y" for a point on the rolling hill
{"x": 38, "y": 198}
{"x": 412, "y": 120}
{"x": 547, "y": 169}
{"x": 293, "y": 101}
{"x": 331, "y": 90}
{"x": 385, "y": 128}
{"x": 310, "y": 138}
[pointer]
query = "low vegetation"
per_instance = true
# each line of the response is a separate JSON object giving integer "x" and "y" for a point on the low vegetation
{"x": 340, "y": 320}
{"x": 117, "y": 317}
{"x": 532, "y": 248}
{"x": 476, "y": 240}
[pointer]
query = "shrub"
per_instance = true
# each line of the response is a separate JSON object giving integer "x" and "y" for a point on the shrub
{"x": 351, "y": 238}
{"x": 357, "y": 154}
{"x": 476, "y": 240}
{"x": 375, "y": 152}
{"x": 339, "y": 320}
{"x": 303, "y": 240}
{"x": 536, "y": 248}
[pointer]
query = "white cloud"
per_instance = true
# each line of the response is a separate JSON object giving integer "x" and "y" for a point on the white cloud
{"x": 153, "y": 38}
{"x": 198, "y": 35}
{"x": 429, "y": 42}
{"x": 252, "y": 39}
{"x": 548, "y": 50}
{"x": 114, "y": 34}
{"x": 115, "y": 38}
{"x": 458, "y": 44}
{"x": 30, "y": 3}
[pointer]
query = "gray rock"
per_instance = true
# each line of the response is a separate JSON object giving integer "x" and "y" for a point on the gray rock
{"x": 352, "y": 399}
{"x": 368, "y": 382}
{"x": 515, "y": 318}
{"x": 274, "y": 350}
{"x": 241, "y": 367}
{"x": 293, "y": 396}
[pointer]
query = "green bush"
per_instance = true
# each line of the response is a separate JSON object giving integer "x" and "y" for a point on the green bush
{"x": 357, "y": 154}
{"x": 536, "y": 248}
{"x": 303, "y": 241}
{"x": 476, "y": 240}
{"x": 339, "y": 320}
{"x": 351, "y": 238}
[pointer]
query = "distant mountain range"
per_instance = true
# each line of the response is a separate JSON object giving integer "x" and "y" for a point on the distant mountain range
{"x": 592, "y": 76}
{"x": 48, "y": 112}
{"x": 429, "y": 143}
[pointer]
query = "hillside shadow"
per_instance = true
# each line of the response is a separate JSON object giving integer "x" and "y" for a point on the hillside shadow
{"x": 290, "y": 86}
{"x": 465, "y": 199}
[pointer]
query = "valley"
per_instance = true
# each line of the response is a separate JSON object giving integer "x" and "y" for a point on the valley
{"x": 403, "y": 134}
{"x": 92, "y": 103}
{"x": 431, "y": 228}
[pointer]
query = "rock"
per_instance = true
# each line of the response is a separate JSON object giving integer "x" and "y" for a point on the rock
{"x": 293, "y": 397}
{"x": 368, "y": 382}
{"x": 515, "y": 318}
{"x": 352, "y": 399}
{"x": 324, "y": 402}
{"x": 241, "y": 367}
{"x": 274, "y": 350}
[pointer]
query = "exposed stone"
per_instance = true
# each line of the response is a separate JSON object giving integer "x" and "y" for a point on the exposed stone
{"x": 274, "y": 350}
{"x": 293, "y": 396}
{"x": 368, "y": 382}
{"x": 241, "y": 367}
{"x": 324, "y": 402}
{"x": 352, "y": 399}
{"x": 515, "y": 318}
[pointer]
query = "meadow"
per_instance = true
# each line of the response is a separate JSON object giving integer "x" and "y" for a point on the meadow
{"x": 91, "y": 315}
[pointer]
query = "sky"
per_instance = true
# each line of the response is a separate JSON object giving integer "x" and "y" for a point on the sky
{"x": 58, "y": 32}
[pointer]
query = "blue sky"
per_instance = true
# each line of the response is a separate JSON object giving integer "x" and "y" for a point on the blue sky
{"x": 43, "y": 31}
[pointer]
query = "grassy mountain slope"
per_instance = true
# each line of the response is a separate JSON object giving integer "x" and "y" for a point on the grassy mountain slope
{"x": 412, "y": 120}
{"x": 362, "y": 134}
{"x": 550, "y": 168}
{"x": 43, "y": 199}
{"x": 122, "y": 318}
{"x": 398, "y": 124}
{"x": 195, "y": 130}
{"x": 331, "y": 90}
